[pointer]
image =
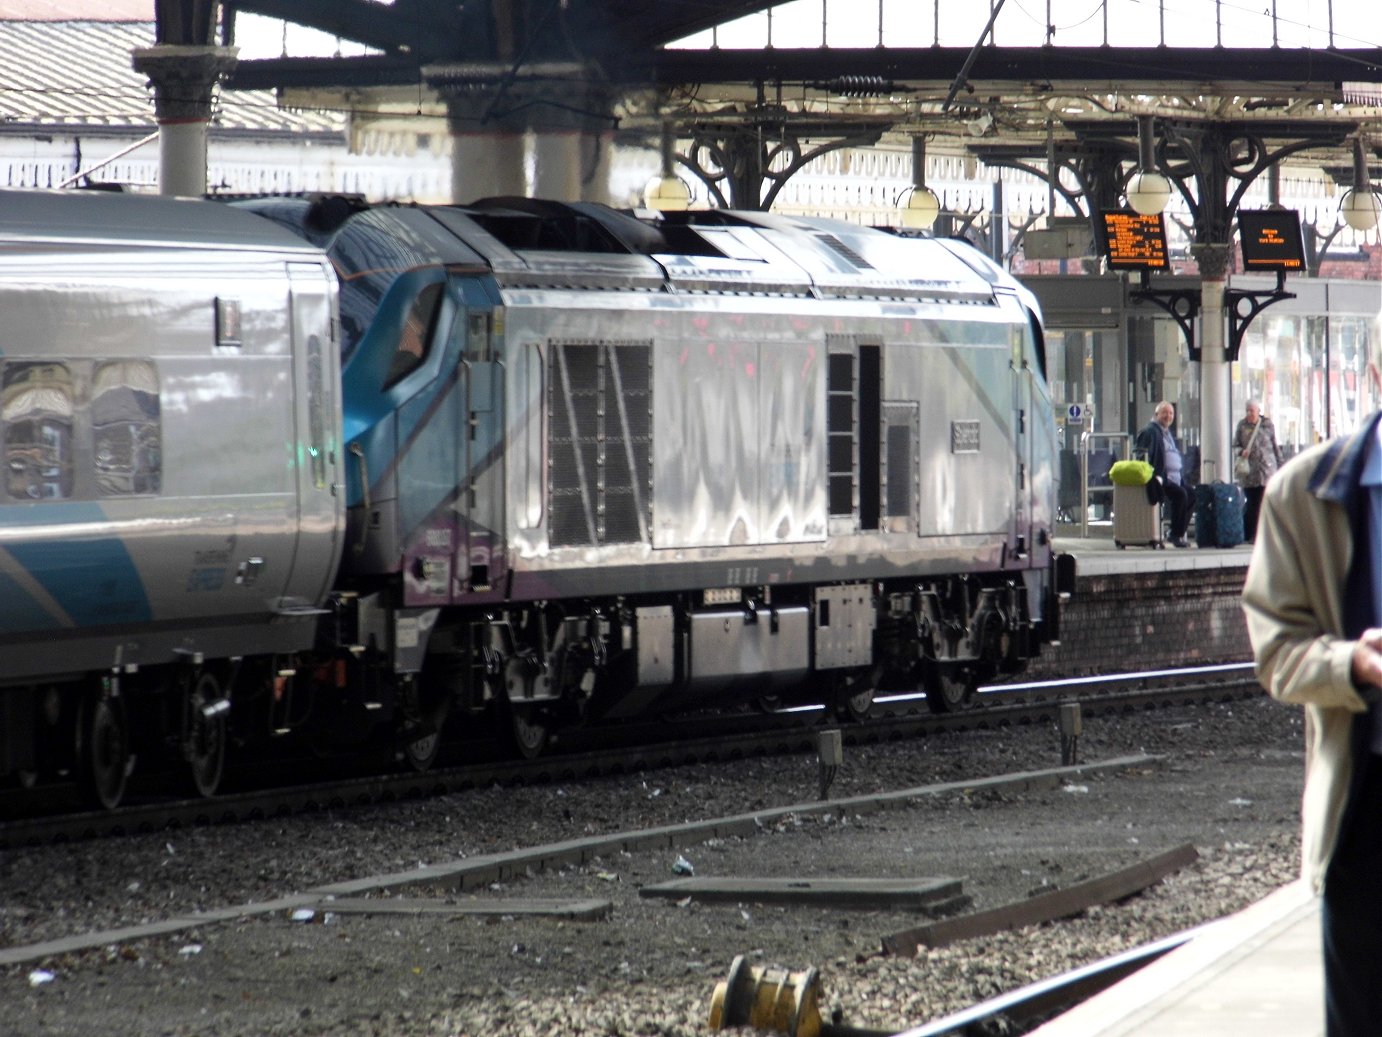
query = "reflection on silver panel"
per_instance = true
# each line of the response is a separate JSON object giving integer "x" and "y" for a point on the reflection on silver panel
{"x": 739, "y": 437}
{"x": 960, "y": 492}
{"x": 656, "y": 645}
{"x": 845, "y": 621}
{"x": 732, "y": 644}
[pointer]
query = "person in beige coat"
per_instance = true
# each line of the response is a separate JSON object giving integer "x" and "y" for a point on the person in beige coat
{"x": 1313, "y": 602}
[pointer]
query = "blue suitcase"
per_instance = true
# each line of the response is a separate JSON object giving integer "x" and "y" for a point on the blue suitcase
{"x": 1218, "y": 514}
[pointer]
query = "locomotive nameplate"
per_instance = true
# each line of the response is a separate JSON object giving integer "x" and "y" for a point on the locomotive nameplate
{"x": 964, "y": 437}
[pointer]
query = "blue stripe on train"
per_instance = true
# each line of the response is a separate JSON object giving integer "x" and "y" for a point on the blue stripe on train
{"x": 93, "y": 582}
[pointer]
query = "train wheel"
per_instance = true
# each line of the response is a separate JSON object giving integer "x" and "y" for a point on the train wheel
{"x": 421, "y": 752}
{"x": 422, "y": 724}
{"x": 948, "y": 688}
{"x": 204, "y": 739}
{"x": 853, "y": 695}
{"x": 103, "y": 749}
{"x": 767, "y": 703}
{"x": 530, "y": 733}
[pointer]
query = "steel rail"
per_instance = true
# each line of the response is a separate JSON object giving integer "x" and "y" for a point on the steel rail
{"x": 708, "y": 740}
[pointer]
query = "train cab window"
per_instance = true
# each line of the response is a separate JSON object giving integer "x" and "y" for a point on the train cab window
{"x": 126, "y": 428}
{"x": 415, "y": 338}
{"x": 36, "y": 406}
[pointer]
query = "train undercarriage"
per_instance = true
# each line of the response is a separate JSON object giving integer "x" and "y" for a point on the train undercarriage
{"x": 550, "y": 666}
{"x": 411, "y": 677}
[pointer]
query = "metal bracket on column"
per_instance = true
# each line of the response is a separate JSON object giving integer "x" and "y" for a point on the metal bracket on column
{"x": 1183, "y": 304}
{"x": 1257, "y": 302}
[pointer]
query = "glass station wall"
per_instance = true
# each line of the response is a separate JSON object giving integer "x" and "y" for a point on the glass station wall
{"x": 1111, "y": 360}
{"x": 1306, "y": 361}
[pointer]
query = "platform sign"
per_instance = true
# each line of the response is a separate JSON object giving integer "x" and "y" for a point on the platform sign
{"x": 1132, "y": 241}
{"x": 1271, "y": 239}
{"x": 1074, "y": 414}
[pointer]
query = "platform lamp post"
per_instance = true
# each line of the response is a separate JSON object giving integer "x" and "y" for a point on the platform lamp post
{"x": 667, "y": 192}
{"x": 1148, "y": 191}
{"x": 922, "y": 206}
{"x": 1359, "y": 206}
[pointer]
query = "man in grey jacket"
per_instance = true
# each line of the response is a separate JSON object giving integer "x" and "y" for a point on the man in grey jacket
{"x": 1313, "y": 600}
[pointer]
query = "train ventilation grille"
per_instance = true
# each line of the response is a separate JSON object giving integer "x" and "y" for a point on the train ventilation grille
{"x": 839, "y": 246}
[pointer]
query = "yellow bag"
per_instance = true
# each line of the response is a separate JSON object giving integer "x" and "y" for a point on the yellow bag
{"x": 1130, "y": 473}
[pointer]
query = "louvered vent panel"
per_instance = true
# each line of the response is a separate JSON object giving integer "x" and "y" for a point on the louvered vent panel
{"x": 840, "y": 432}
{"x": 600, "y": 447}
{"x": 628, "y": 443}
{"x": 839, "y": 247}
{"x": 574, "y": 445}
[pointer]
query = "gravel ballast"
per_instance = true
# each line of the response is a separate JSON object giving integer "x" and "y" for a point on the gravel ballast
{"x": 1227, "y": 780}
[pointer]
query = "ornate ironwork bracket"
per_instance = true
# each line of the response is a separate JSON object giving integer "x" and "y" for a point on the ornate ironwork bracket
{"x": 1183, "y": 304}
{"x": 745, "y": 159}
{"x": 1257, "y": 302}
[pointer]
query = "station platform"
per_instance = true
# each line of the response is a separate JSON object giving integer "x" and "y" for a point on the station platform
{"x": 1098, "y": 555}
{"x": 1257, "y": 972}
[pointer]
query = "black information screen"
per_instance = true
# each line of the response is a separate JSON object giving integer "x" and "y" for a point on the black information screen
{"x": 1135, "y": 242}
{"x": 1271, "y": 239}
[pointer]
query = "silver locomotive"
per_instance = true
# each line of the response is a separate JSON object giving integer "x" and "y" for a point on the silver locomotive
{"x": 574, "y": 466}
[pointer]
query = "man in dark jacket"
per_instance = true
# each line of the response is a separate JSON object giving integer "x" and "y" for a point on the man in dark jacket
{"x": 1163, "y": 454}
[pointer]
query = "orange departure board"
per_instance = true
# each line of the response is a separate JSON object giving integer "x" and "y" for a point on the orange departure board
{"x": 1135, "y": 242}
{"x": 1271, "y": 239}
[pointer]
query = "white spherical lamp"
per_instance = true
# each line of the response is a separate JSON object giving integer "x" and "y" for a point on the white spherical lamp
{"x": 667, "y": 193}
{"x": 1359, "y": 208}
{"x": 921, "y": 209}
{"x": 1148, "y": 192}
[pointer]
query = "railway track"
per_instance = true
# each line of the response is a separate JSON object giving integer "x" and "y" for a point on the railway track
{"x": 796, "y": 730}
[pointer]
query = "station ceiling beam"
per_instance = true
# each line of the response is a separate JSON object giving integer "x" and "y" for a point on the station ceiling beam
{"x": 1163, "y": 68}
{"x": 423, "y": 32}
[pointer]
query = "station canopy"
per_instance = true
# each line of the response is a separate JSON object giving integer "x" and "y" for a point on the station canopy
{"x": 1007, "y": 80}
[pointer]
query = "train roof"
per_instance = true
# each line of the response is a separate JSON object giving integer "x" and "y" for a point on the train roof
{"x": 115, "y": 217}
{"x": 534, "y": 243}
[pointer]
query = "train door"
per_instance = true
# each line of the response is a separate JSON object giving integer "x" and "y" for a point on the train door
{"x": 317, "y": 415}
{"x": 1035, "y": 439}
{"x": 1021, "y": 537}
{"x": 480, "y": 553}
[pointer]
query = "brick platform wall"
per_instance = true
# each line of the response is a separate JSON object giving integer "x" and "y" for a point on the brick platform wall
{"x": 1140, "y": 621}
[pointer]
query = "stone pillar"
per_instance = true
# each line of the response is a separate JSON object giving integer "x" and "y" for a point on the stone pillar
{"x": 528, "y": 132}
{"x": 488, "y": 155}
{"x": 1215, "y": 416}
{"x": 184, "y": 79}
{"x": 557, "y": 163}
{"x": 597, "y": 148}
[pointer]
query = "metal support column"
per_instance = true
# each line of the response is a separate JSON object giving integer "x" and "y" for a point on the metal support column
{"x": 184, "y": 79}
